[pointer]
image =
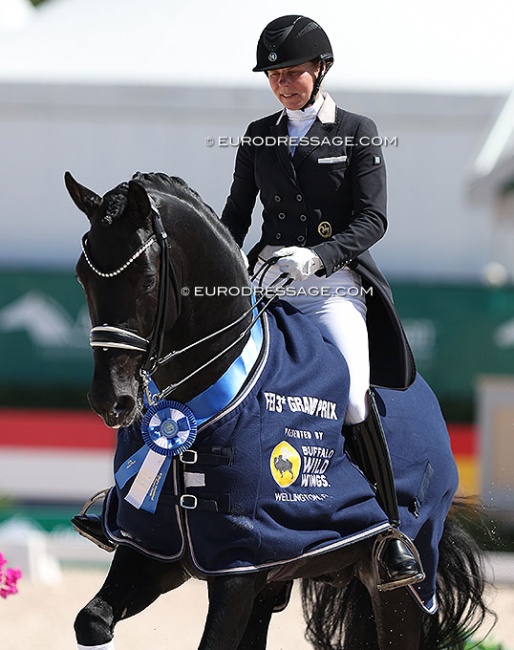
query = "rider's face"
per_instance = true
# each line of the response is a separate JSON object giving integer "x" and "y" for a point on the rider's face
{"x": 293, "y": 86}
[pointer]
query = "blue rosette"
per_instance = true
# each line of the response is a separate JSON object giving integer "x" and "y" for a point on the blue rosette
{"x": 169, "y": 428}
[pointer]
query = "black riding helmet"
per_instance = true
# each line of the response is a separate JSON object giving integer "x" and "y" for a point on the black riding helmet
{"x": 291, "y": 40}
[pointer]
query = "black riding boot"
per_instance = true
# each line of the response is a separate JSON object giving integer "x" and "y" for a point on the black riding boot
{"x": 398, "y": 562}
{"x": 90, "y": 526}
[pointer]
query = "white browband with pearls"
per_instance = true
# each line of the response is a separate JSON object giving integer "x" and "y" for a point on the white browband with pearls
{"x": 112, "y": 274}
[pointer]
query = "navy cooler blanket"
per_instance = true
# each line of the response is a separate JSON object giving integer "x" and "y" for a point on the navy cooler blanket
{"x": 271, "y": 479}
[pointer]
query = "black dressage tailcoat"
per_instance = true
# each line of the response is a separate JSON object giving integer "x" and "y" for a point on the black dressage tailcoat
{"x": 329, "y": 196}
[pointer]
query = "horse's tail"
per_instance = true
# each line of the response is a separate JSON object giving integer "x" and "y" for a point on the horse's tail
{"x": 461, "y": 584}
{"x": 342, "y": 619}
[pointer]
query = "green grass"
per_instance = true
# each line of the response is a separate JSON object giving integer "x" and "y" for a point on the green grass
{"x": 472, "y": 645}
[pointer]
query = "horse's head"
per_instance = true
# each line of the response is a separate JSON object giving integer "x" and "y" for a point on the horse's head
{"x": 135, "y": 309}
{"x": 119, "y": 273}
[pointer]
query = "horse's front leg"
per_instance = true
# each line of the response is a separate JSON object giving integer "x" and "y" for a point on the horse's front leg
{"x": 231, "y": 601}
{"x": 132, "y": 584}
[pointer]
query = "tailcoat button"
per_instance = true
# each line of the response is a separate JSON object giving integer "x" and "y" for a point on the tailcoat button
{"x": 281, "y": 215}
{"x": 278, "y": 198}
{"x": 278, "y": 235}
{"x": 301, "y": 238}
{"x": 299, "y": 197}
{"x": 303, "y": 217}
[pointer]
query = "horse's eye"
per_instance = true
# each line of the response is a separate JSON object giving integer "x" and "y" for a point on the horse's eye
{"x": 149, "y": 283}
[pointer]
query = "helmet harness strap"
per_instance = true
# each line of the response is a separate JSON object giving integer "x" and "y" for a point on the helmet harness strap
{"x": 324, "y": 67}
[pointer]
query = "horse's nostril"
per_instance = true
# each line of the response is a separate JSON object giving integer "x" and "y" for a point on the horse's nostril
{"x": 116, "y": 412}
{"x": 124, "y": 404}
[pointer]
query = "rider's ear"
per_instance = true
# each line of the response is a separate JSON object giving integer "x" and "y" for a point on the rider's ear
{"x": 85, "y": 200}
{"x": 138, "y": 201}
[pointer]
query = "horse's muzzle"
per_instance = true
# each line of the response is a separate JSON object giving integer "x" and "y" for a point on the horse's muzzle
{"x": 120, "y": 412}
{"x": 115, "y": 393}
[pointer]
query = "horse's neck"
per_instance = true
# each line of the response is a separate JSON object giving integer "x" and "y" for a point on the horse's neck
{"x": 206, "y": 308}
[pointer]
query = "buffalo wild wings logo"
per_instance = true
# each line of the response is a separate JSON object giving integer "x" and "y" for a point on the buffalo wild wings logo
{"x": 285, "y": 464}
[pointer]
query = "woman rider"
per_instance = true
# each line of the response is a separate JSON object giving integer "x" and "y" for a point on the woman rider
{"x": 320, "y": 176}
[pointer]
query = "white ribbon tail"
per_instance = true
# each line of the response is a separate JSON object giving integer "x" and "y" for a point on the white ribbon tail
{"x": 145, "y": 478}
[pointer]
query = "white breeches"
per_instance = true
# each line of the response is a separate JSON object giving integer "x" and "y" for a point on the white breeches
{"x": 338, "y": 307}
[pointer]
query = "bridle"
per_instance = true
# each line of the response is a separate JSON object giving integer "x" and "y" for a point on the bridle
{"x": 111, "y": 337}
{"x": 108, "y": 336}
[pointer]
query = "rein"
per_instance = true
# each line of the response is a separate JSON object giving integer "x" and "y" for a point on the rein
{"x": 258, "y": 313}
{"x": 108, "y": 336}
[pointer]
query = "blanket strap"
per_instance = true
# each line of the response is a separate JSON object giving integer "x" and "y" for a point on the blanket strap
{"x": 213, "y": 457}
{"x": 204, "y": 502}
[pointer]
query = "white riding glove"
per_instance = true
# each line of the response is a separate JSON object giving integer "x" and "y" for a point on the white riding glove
{"x": 298, "y": 263}
{"x": 245, "y": 258}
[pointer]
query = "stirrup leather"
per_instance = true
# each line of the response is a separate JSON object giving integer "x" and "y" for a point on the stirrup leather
{"x": 379, "y": 547}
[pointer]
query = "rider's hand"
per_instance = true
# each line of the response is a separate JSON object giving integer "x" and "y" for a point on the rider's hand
{"x": 298, "y": 263}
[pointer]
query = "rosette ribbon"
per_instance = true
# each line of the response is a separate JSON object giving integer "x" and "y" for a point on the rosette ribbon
{"x": 168, "y": 429}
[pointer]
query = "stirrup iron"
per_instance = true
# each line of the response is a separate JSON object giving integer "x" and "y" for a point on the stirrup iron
{"x": 106, "y": 545}
{"x": 379, "y": 546}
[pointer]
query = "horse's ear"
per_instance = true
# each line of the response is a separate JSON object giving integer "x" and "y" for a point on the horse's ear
{"x": 85, "y": 200}
{"x": 138, "y": 201}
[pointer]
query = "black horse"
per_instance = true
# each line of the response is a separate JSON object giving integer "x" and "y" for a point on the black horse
{"x": 152, "y": 244}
